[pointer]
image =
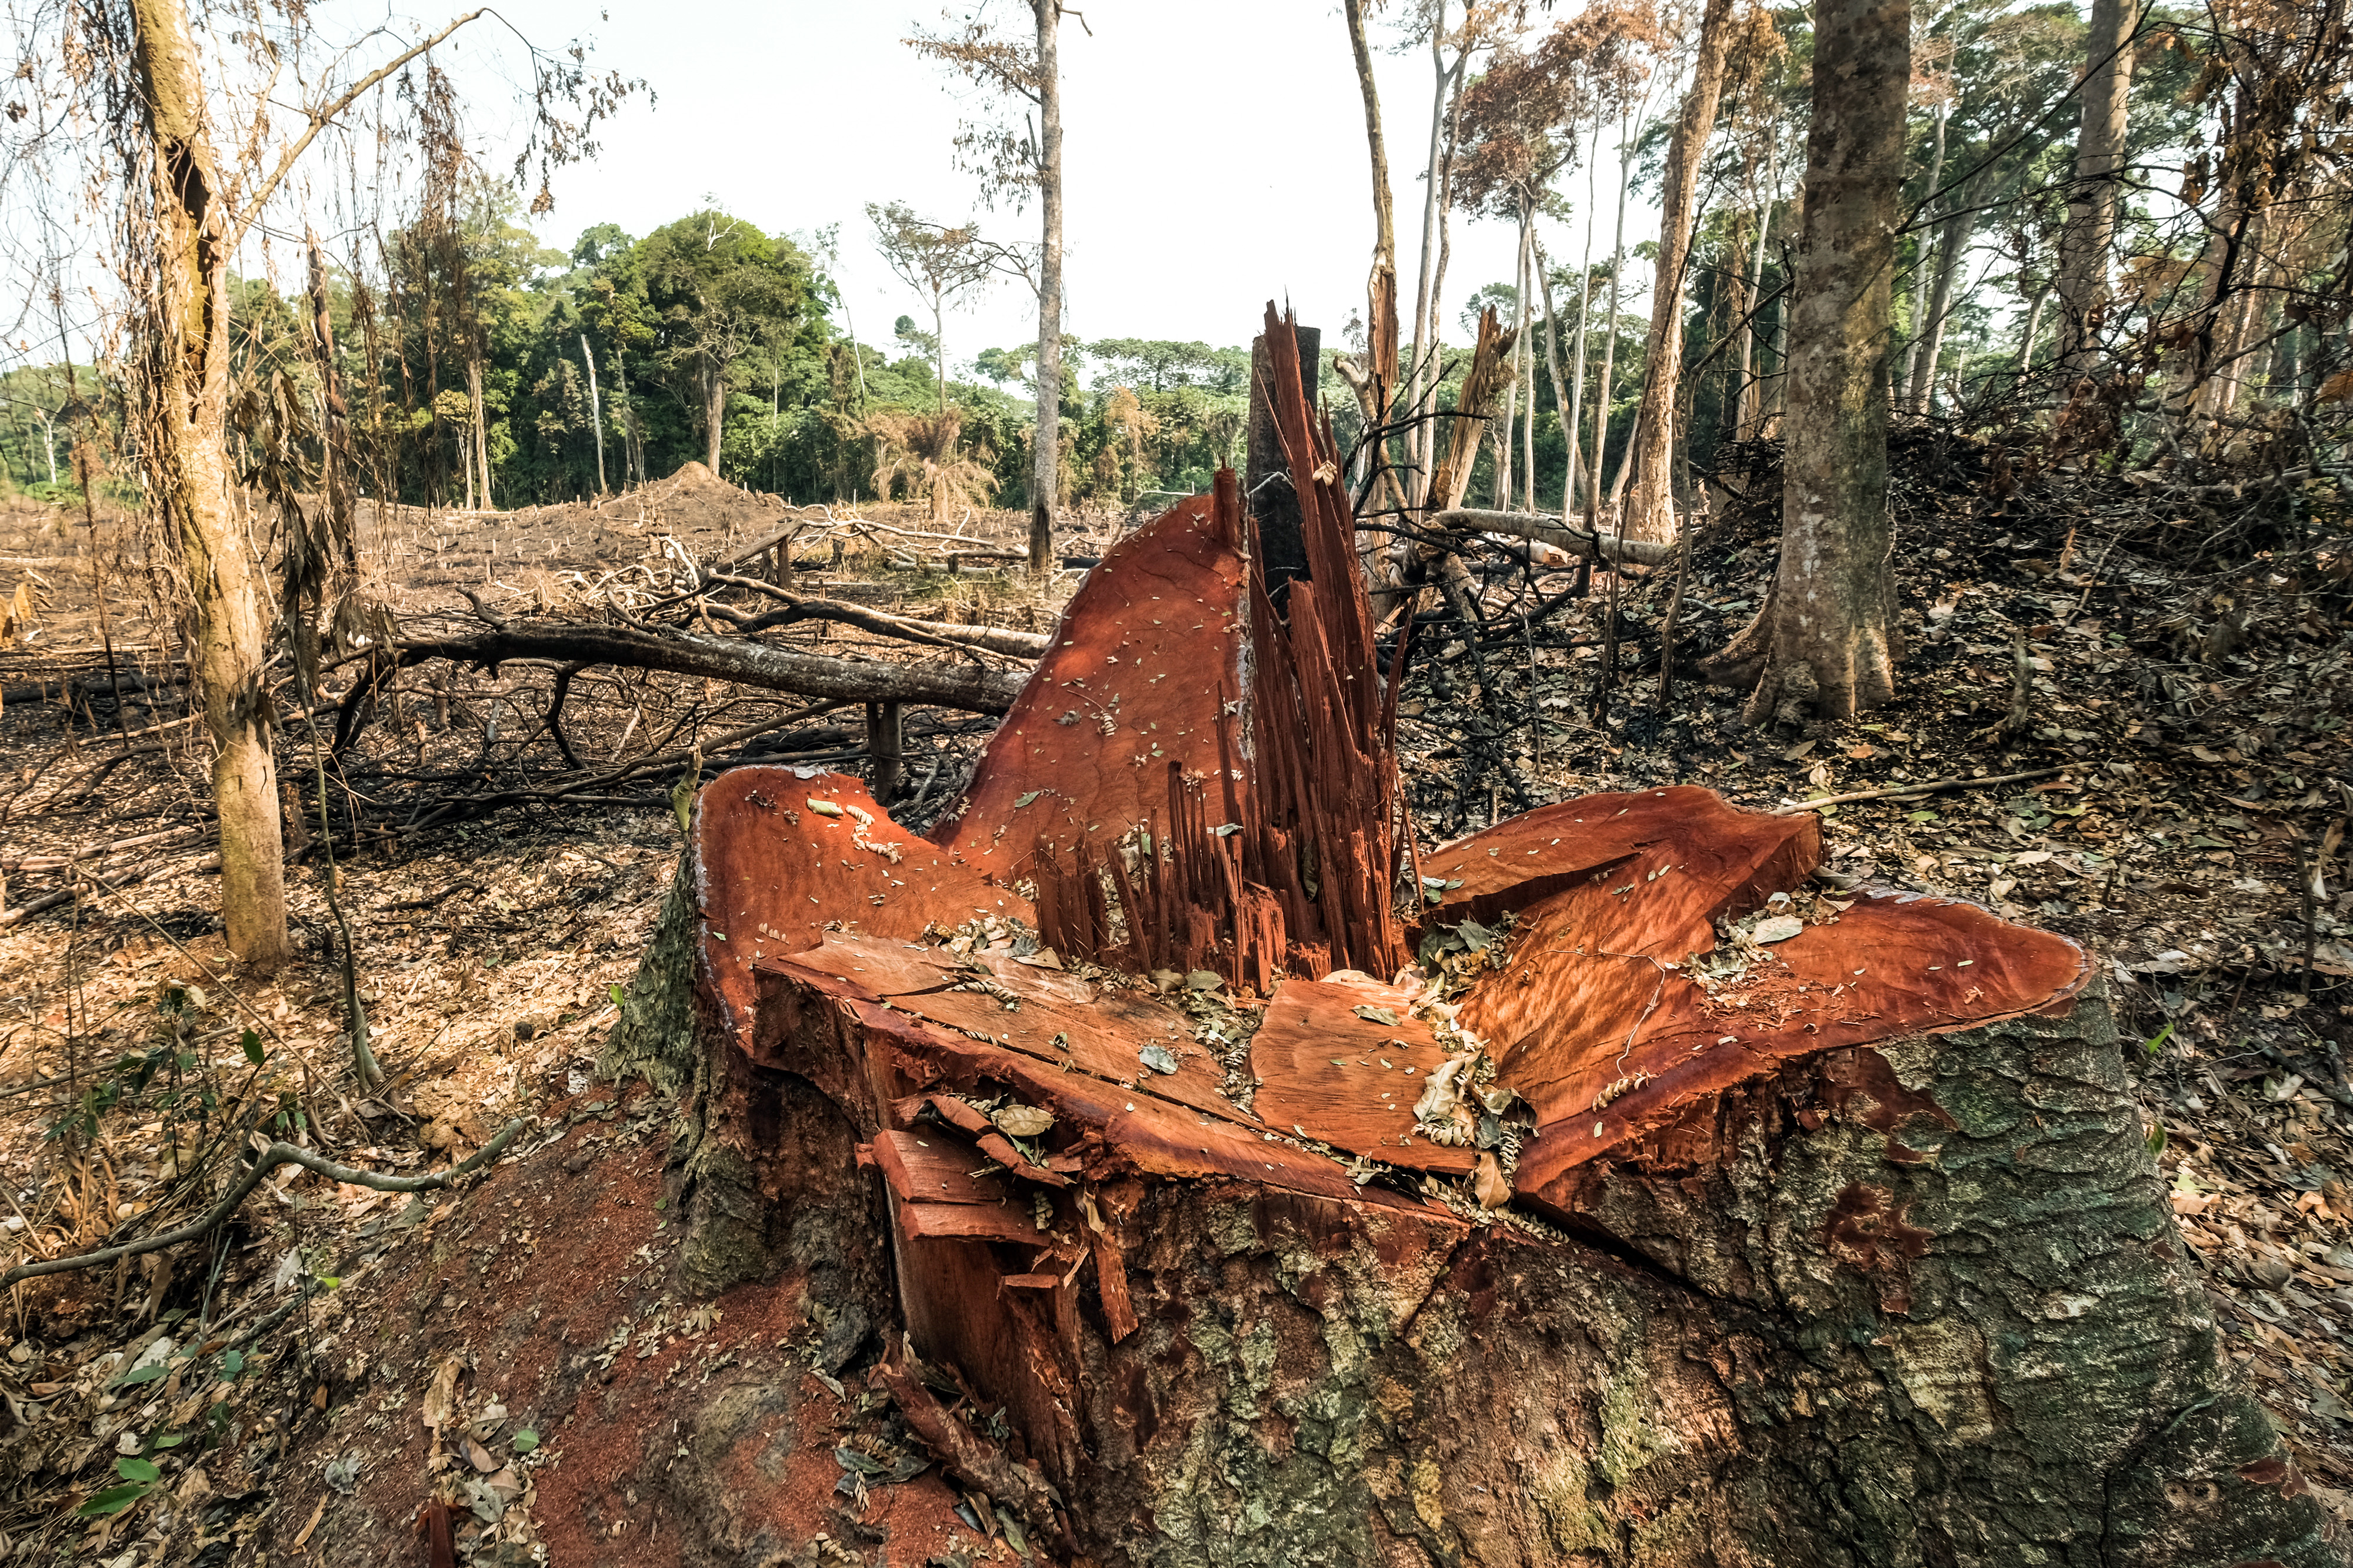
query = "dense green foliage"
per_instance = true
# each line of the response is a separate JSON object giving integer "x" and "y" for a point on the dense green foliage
{"x": 805, "y": 411}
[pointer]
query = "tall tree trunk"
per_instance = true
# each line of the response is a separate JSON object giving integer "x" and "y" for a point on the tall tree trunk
{"x": 1609, "y": 326}
{"x": 714, "y": 409}
{"x": 1380, "y": 285}
{"x": 1920, "y": 271}
{"x": 1508, "y": 428}
{"x": 2084, "y": 240}
{"x": 1583, "y": 476}
{"x": 335, "y": 464}
{"x": 1560, "y": 394}
{"x": 1826, "y": 642}
{"x": 1046, "y": 440}
{"x": 2223, "y": 365}
{"x": 187, "y": 355}
{"x": 481, "y": 428}
{"x": 1528, "y": 362}
{"x": 2033, "y": 329}
{"x": 1652, "y": 514}
{"x": 1422, "y": 376}
{"x": 1752, "y": 366}
{"x": 630, "y": 465}
{"x": 1952, "y": 246}
{"x": 595, "y": 411}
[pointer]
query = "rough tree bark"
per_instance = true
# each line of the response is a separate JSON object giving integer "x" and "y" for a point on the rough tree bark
{"x": 186, "y": 341}
{"x": 2084, "y": 240}
{"x": 1046, "y": 442}
{"x": 1654, "y": 1243}
{"x": 1825, "y": 643}
{"x": 1650, "y": 513}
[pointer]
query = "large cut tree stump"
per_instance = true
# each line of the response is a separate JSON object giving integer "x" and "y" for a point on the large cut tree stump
{"x": 1629, "y": 1204}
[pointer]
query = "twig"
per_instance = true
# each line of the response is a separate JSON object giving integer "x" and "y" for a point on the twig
{"x": 1674, "y": 614}
{"x": 363, "y": 1063}
{"x": 269, "y": 1160}
{"x": 1789, "y": 807}
{"x": 2021, "y": 691}
{"x": 1545, "y": 530}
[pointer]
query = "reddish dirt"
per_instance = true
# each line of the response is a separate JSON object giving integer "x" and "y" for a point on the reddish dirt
{"x": 669, "y": 1432}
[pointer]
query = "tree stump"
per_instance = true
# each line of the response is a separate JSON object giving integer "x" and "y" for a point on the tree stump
{"x": 1625, "y": 1204}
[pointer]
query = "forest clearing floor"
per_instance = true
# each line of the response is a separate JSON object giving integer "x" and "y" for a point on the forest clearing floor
{"x": 516, "y": 1344}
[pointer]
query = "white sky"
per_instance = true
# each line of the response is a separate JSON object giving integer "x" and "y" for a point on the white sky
{"x": 1215, "y": 154}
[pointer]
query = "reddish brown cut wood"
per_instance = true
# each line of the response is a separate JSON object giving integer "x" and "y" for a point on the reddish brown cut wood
{"x": 1326, "y": 1072}
{"x": 1147, "y": 650}
{"x": 778, "y": 856}
{"x": 928, "y": 1171}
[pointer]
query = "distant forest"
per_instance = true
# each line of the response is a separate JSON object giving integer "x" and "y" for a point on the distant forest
{"x": 473, "y": 342}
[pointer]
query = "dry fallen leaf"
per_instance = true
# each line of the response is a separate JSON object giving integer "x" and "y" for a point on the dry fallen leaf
{"x": 1487, "y": 1182}
{"x": 480, "y": 1457}
{"x": 1022, "y": 1120}
{"x": 441, "y": 1393}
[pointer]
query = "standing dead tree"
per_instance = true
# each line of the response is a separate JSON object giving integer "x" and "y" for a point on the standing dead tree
{"x": 1013, "y": 162}
{"x": 1664, "y": 1212}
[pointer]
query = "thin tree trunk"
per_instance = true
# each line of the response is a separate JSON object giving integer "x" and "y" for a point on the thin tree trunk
{"x": 1914, "y": 386}
{"x": 1825, "y": 645}
{"x": 1430, "y": 427}
{"x": 1609, "y": 326}
{"x": 714, "y": 410}
{"x": 481, "y": 428}
{"x": 1752, "y": 366}
{"x": 1560, "y": 393}
{"x": 632, "y": 455}
{"x": 1424, "y": 374}
{"x": 1528, "y": 359}
{"x": 2084, "y": 240}
{"x": 2239, "y": 318}
{"x": 1582, "y": 476}
{"x": 1508, "y": 428}
{"x": 186, "y": 349}
{"x": 1951, "y": 247}
{"x": 1652, "y": 514}
{"x": 2033, "y": 329}
{"x": 1046, "y": 440}
{"x": 1380, "y": 286}
{"x": 595, "y": 411}
{"x": 334, "y": 434}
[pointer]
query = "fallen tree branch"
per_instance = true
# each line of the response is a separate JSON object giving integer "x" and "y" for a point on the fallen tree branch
{"x": 1545, "y": 530}
{"x": 965, "y": 686}
{"x": 52, "y": 899}
{"x": 972, "y": 1457}
{"x": 797, "y": 608}
{"x": 269, "y": 1160}
{"x": 1789, "y": 807}
{"x": 744, "y": 663}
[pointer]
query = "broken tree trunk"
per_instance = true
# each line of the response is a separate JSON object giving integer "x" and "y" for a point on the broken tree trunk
{"x": 1664, "y": 1212}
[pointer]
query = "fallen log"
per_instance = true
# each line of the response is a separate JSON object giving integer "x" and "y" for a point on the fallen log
{"x": 1603, "y": 548}
{"x": 969, "y": 687}
{"x": 1657, "y": 1211}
